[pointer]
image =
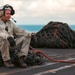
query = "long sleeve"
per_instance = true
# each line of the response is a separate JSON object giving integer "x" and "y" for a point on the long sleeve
{"x": 20, "y": 31}
{"x": 3, "y": 33}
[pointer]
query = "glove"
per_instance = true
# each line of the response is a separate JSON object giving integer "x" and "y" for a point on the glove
{"x": 11, "y": 41}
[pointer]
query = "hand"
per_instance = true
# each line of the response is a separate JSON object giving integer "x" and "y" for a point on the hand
{"x": 11, "y": 41}
{"x": 33, "y": 34}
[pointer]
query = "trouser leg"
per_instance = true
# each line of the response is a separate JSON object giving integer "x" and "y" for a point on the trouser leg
{"x": 4, "y": 48}
{"x": 25, "y": 42}
{"x": 21, "y": 49}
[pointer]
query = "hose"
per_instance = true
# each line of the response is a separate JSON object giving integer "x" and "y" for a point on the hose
{"x": 62, "y": 61}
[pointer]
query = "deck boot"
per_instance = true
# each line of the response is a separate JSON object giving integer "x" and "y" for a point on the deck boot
{"x": 21, "y": 62}
{"x": 8, "y": 64}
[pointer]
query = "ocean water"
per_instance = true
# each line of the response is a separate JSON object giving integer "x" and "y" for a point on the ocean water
{"x": 36, "y": 28}
{"x": 31, "y": 28}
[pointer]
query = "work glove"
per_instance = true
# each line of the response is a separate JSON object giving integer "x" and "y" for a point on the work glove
{"x": 11, "y": 41}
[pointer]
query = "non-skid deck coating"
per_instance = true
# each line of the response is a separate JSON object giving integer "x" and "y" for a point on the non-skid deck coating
{"x": 48, "y": 67}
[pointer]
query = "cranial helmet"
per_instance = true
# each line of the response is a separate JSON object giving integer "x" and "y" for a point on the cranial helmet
{"x": 6, "y": 7}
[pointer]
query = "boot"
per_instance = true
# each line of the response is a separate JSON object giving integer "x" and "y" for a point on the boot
{"x": 21, "y": 62}
{"x": 8, "y": 64}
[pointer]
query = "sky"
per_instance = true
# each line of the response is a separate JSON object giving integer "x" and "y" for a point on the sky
{"x": 40, "y": 12}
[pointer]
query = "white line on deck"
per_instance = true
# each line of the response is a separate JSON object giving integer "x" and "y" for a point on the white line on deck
{"x": 55, "y": 70}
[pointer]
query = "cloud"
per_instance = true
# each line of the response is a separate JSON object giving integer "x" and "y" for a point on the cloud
{"x": 48, "y": 7}
{"x": 43, "y": 9}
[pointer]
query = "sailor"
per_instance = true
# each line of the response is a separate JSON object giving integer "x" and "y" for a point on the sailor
{"x": 9, "y": 41}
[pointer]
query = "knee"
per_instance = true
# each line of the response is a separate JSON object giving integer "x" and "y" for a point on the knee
{"x": 4, "y": 41}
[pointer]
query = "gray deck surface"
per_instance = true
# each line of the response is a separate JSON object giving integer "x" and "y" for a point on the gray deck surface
{"x": 48, "y": 67}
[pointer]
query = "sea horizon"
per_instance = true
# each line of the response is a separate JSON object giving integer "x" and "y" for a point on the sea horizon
{"x": 36, "y": 28}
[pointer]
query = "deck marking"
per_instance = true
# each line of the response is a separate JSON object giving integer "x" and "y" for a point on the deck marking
{"x": 20, "y": 70}
{"x": 55, "y": 70}
{"x": 5, "y": 73}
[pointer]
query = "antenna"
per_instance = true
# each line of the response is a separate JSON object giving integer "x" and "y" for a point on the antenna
{"x": 13, "y": 20}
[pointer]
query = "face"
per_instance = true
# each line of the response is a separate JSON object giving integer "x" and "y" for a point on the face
{"x": 7, "y": 15}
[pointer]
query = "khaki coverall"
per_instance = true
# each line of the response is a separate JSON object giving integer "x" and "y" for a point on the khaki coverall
{"x": 22, "y": 37}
